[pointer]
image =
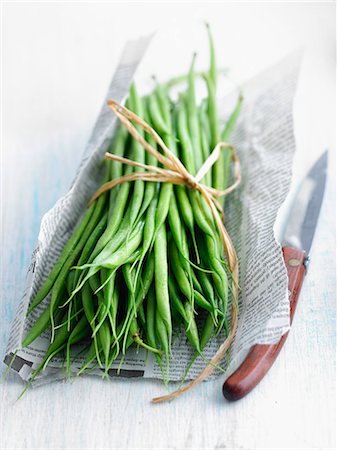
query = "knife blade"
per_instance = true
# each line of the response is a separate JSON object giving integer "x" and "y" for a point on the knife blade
{"x": 296, "y": 244}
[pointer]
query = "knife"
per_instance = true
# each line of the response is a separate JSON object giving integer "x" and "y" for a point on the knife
{"x": 298, "y": 236}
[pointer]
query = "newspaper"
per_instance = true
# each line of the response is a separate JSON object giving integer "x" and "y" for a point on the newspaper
{"x": 265, "y": 143}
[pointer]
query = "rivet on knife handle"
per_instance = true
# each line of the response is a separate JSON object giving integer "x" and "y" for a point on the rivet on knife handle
{"x": 261, "y": 357}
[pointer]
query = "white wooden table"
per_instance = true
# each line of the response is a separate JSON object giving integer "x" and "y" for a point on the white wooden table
{"x": 57, "y": 62}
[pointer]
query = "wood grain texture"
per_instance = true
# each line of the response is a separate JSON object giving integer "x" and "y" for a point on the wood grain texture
{"x": 55, "y": 56}
{"x": 261, "y": 357}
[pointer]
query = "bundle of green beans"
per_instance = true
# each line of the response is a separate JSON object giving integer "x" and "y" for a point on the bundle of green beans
{"x": 146, "y": 257}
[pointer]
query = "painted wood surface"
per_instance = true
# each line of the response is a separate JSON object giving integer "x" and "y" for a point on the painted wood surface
{"x": 51, "y": 70}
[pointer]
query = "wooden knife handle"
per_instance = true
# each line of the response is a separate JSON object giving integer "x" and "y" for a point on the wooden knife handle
{"x": 261, "y": 357}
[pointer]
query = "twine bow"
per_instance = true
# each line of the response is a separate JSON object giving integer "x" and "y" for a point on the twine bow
{"x": 174, "y": 172}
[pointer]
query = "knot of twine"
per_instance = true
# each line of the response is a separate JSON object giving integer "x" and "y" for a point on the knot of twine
{"x": 173, "y": 171}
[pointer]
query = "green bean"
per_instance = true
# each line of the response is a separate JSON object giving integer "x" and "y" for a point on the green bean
{"x": 150, "y": 187}
{"x": 76, "y": 333}
{"x": 186, "y": 212}
{"x": 205, "y": 145}
{"x": 89, "y": 311}
{"x": 163, "y": 205}
{"x": 186, "y": 156}
{"x": 104, "y": 336}
{"x": 155, "y": 116}
{"x": 161, "y": 92}
{"x": 165, "y": 188}
{"x": 161, "y": 333}
{"x": 192, "y": 139}
{"x": 173, "y": 82}
{"x": 117, "y": 147}
{"x": 210, "y": 253}
{"x": 77, "y": 315}
{"x": 89, "y": 301}
{"x": 108, "y": 282}
{"x": 192, "y": 117}
{"x": 182, "y": 199}
{"x": 130, "y": 284}
{"x": 184, "y": 284}
{"x": 176, "y": 319}
{"x": 202, "y": 302}
{"x": 191, "y": 327}
{"x": 196, "y": 284}
{"x": 111, "y": 260}
{"x": 134, "y": 305}
{"x": 161, "y": 281}
{"x": 122, "y": 254}
{"x": 91, "y": 356}
{"x": 39, "y": 326}
{"x": 56, "y": 296}
{"x": 212, "y": 66}
{"x": 207, "y": 331}
{"x": 219, "y": 274}
{"x": 151, "y": 324}
{"x": 149, "y": 230}
{"x": 210, "y": 78}
{"x": 207, "y": 289}
{"x": 141, "y": 315}
{"x": 116, "y": 218}
{"x": 186, "y": 146}
{"x": 176, "y": 224}
{"x": 224, "y": 137}
{"x": 89, "y": 246}
{"x": 113, "y": 315}
{"x": 232, "y": 119}
{"x": 215, "y": 134}
{"x": 136, "y": 106}
{"x": 147, "y": 277}
{"x": 79, "y": 332}
{"x": 134, "y": 332}
{"x": 178, "y": 234}
{"x": 182, "y": 280}
{"x": 115, "y": 353}
{"x": 150, "y": 317}
{"x": 202, "y": 211}
{"x": 69, "y": 282}
{"x": 175, "y": 299}
{"x": 74, "y": 305}
{"x": 206, "y": 335}
{"x": 118, "y": 199}
{"x": 114, "y": 242}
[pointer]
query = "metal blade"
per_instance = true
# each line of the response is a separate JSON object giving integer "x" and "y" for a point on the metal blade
{"x": 303, "y": 217}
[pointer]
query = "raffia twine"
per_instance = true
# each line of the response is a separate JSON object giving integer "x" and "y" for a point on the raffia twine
{"x": 175, "y": 172}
